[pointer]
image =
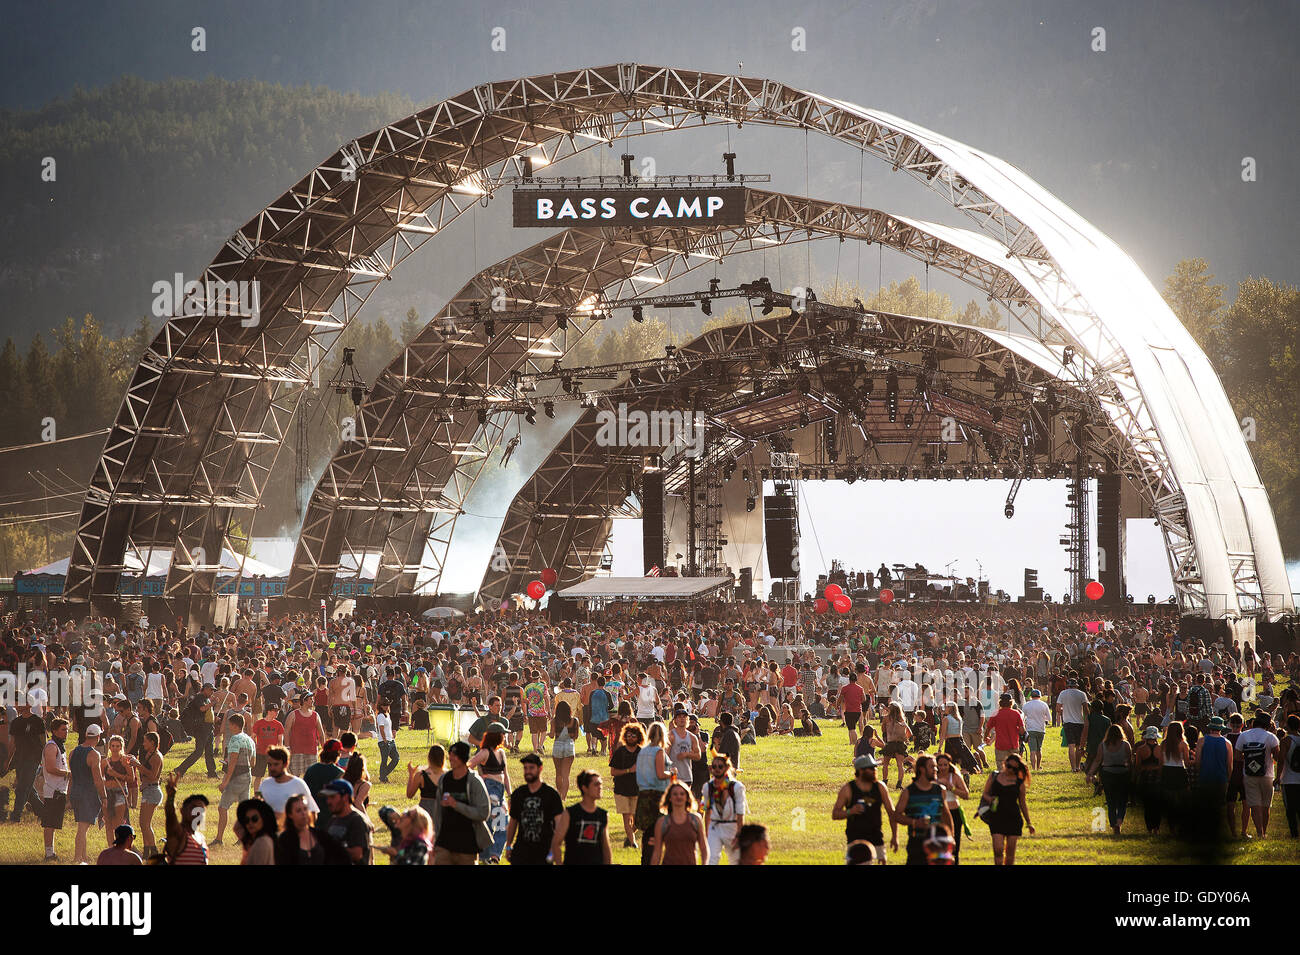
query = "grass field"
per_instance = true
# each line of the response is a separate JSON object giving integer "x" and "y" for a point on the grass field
{"x": 791, "y": 784}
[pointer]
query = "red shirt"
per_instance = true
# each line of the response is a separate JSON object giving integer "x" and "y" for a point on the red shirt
{"x": 1008, "y": 725}
{"x": 789, "y": 676}
{"x": 266, "y": 733}
{"x": 852, "y": 695}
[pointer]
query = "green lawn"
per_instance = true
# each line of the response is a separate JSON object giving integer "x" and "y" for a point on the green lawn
{"x": 791, "y": 784}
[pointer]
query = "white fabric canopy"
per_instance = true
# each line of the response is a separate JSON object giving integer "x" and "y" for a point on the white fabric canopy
{"x": 646, "y": 588}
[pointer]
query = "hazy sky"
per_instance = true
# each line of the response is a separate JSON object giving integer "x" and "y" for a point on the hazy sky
{"x": 1145, "y": 139}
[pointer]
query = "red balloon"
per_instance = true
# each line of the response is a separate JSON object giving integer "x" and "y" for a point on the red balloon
{"x": 1094, "y": 590}
{"x": 832, "y": 591}
{"x": 537, "y": 590}
{"x": 886, "y": 596}
{"x": 842, "y": 603}
{"x": 549, "y": 576}
{"x": 820, "y": 605}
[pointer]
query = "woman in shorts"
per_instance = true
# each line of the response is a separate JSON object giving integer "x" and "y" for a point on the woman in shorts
{"x": 896, "y": 732}
{"x": 119, "y": 780}
{"x": 150, "y": 765}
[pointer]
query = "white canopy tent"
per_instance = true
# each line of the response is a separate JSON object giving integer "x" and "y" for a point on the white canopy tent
{"x": 646, "y": 588}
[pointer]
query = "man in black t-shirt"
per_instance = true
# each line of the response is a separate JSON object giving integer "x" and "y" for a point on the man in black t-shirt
{"x": 27, "y": 743}
{"x": 347, "y": 826}
{"x": 534, "y": 808}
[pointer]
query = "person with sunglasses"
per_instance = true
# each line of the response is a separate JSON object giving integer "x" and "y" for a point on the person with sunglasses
{"x": 1003, "y": 806}
{"x": 923, "y": 805}
{"x": 861, "y": 802}
{"x": 724, "y": 809}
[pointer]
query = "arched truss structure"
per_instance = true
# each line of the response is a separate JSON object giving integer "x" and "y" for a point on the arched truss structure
{"x": 208, "y": 407}
{"x": 562, "y": 516}
{"x": 372, "y": 500}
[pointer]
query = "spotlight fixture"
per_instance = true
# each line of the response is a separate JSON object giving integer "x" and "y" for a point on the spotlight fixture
{"x": 1009, "y": 512}
{"x": 908, "y": 420}
{"x": 531, "y": 415}
{"x": 638, "y": 315}
{"x": 548, "y": 408}
{"x": 891, "y": 397}
{"x": 750, "y": 504}
{"x": 706, "y": 306}
{"x": 768, "y": 305}
{"x": 561, "y": 320}
{"x": 567, "y": 384}
{"x": 489, "y": 328}
{"x": 482, "y": 416}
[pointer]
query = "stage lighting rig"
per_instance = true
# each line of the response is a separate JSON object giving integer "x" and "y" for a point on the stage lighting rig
{"x": 347, "y": 381}
{"x": 548, "y": 408}
{"x": 638, "y": 315}
{"x": 891, "y": 397}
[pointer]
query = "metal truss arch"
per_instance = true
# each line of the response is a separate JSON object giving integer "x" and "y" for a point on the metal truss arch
{"x": 206, "y": 412}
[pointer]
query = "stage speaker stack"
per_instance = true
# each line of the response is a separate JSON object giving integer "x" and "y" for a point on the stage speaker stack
{"x": 746, "y": 586}
{"x": 652, "y": 521}
{"x": 1032, "y": 590}
{"x": 1111, "y": 538}
{"x": 781, "y": 532}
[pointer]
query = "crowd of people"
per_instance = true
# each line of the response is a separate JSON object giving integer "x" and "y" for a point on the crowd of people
{"x": 965, "y": 698}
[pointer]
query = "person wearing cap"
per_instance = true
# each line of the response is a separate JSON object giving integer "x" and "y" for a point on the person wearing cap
{"x": 324, "y": 770}
{"x": 121, "y": 852}
{"x": 26, "y": 740}
{"x": 85, "y": 788}
{"x": 305, "y": 734}
{"x": 348, "y": 826}
{"x": 861, "y": 802}
{"x": 534, "y": 809}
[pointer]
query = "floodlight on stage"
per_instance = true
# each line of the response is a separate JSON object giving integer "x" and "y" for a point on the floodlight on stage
{"x": 567, "y": 384}
{"x": 490, "y": 328}
{"x": 637, "y": 314}
{"x": 548, "y": 408}
{"x": 750, "y": 504}
{"x": 706, "y": 306}
{"x": 561, "y": 320}
{"x": 531, "y": 416}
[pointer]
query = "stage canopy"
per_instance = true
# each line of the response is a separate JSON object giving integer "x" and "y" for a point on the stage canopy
{"x": 646, "y": 588}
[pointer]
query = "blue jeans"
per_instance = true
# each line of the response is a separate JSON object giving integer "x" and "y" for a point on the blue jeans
{"x": 388, "y": 758}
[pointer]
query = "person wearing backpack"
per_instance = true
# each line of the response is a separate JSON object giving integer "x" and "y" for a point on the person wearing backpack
{"x": 1290, "y": 762}
{"x": 1258, "y": 750}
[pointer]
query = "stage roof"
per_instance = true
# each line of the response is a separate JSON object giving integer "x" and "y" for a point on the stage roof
{"x": 646, "y": 588}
